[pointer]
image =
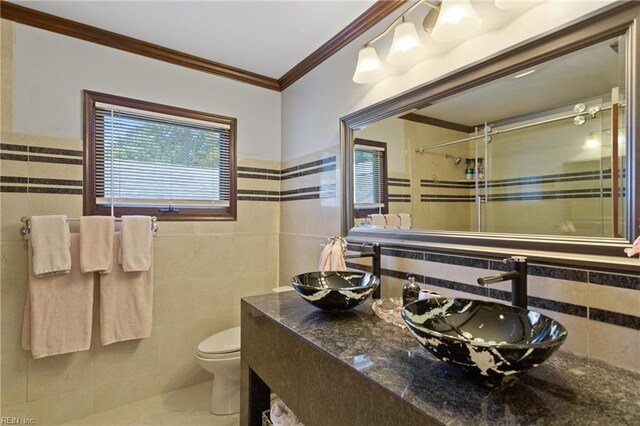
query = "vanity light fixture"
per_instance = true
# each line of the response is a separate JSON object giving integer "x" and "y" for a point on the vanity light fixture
{"x": 448, "y": 20}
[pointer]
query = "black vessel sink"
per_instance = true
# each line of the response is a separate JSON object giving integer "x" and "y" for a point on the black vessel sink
{"x": 484, "y": 338}
{"x": 335, "y": 291}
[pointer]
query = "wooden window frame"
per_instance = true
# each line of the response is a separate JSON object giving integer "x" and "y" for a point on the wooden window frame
{"x": 362, "y": 213}
{"x": 89, "y": 187}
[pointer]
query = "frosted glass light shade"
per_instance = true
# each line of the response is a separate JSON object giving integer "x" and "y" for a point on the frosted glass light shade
{"x": 406, "y": 48}
{"x": 457, "y": 20}
{"x": 514, "y": 4}
{"x": 369, "y": 68}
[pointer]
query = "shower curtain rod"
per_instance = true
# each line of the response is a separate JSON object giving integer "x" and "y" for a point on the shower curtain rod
{"x": 510, "y": 129}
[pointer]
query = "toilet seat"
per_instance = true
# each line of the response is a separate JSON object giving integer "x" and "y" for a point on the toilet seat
{"x": 222, "y": 345}
{"x": 212, "y": 357}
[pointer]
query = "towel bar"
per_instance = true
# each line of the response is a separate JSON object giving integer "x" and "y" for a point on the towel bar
{"x": 25, "y": 230}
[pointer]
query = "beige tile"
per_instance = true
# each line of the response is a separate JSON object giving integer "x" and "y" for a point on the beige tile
{"x": 166, "y": 228}
{"x": 616, "y": 345}
{"x": 60, "y": 374}
{"x": 123, "y": 391}
{"x": 560, "y": 290}
{"x": 12, "y": 310}
{"x": 55, "y": 171}
{"x": 47, "y": 204}
{"x": 577, "y": 329}
{"x": 13, "y": 206}
{"x": 613, "y": 299}
{"x": 14, "y": 378}
{"x": 14, "y": 167}
{"x": 13, "y": 270}
{"x": 124, "y": 359}
{"x": 61, "y": 408}
{"x": 18, "y": 410}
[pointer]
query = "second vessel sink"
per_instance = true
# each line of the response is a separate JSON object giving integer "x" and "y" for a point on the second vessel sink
{"x": 485, "y": 338}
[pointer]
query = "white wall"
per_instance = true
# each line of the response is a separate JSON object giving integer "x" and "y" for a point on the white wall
{"x": 312, "y": 106}
{"x": 51, "y": 71}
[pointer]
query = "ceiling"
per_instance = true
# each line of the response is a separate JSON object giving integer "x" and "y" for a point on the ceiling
{"x": 264, "y": 37}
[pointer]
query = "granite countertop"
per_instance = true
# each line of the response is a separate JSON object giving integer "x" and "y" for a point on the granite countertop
{"x": 566, "y": 389}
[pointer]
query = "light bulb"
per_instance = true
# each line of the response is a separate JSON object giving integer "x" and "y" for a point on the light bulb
{"x": 406, "y": 48}
{"x": 514, "y": 4}
{"x": 456, "y": 20}
{"x": 591, "y": 142}
{"x": 369, "y": 68}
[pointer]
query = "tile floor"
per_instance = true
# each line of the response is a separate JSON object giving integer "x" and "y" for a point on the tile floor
{"x": 188, "y": 406}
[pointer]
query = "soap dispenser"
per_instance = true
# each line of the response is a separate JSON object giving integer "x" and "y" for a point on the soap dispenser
{"x": 410, "y": 291}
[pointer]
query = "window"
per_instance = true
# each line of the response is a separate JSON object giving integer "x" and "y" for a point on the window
{"x": 370, "y": 177}
{"x": 146, "y": 158}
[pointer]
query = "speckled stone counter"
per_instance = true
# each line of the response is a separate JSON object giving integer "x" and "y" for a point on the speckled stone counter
{"x": 353, "y": 368}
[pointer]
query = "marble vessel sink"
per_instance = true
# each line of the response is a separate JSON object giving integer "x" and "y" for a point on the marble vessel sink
{"x": 335, "y": 291}
{"x": 484, "y": 338}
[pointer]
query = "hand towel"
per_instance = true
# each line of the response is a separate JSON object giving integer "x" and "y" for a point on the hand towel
{"x": 126, "y": 303}
{"x": 405, "y": 220}
{"x": 58, "y": 311}
{"x": 50, "y": 243}
{"x": 332, "y": 258}
{"x": 135, "y": 245}
{"x": 635, "y": 249}
{"x": 281, "y": 415}
{"x": 392, "y": 220}
{"x": 377, "y": 220}
{"x": 96, "y": 243}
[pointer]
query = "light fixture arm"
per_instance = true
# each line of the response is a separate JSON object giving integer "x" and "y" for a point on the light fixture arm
{"x": 401, "y": 18}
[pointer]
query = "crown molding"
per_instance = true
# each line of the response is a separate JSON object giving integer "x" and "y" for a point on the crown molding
{"x": 431, "y": 121}
{"x": 48, "y": 22}
{"x": 45, "y": 21}
{"x": 378, "y": 11}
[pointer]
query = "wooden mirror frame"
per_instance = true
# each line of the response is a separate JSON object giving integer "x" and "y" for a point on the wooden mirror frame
{"x": 615, "y": 20}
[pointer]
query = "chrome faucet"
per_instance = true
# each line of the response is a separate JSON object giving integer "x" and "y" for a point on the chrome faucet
{"x": 518, "y": 277}
{"x": 375, "y": 264}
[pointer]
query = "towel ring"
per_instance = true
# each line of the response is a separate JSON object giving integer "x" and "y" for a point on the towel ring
{"x": 338, "y": 239}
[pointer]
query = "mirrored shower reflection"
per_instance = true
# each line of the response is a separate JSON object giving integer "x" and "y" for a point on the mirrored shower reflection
{"x": 551, "y": 161}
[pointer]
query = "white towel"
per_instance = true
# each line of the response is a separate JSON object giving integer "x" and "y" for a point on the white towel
{"x": 135, "y": 244}
{"x": 377, "y": 219}
{"x": 392, "y": 220}
{"x": 331, "y": 258}
{"x": 281, "y": 415}
{"x": 96, "y": 243}
{"x": 51, "y": 244}
{"x": 405, "y": 220}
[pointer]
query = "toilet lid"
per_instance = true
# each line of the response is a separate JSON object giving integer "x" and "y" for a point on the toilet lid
{"x": 221, "y": 343}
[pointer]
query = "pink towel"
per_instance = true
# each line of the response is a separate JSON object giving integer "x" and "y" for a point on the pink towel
{"x": 96, "y": 243}
{"x": 126, "y": 303}
{"x": 58, "y": 310}
{"x": 332, "y": 258}
{"x": 392, "y": 221}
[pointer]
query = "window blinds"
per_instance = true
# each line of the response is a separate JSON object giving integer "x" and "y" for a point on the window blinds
{"x": 368, "y": 177}
{"x": 146, "y": 159}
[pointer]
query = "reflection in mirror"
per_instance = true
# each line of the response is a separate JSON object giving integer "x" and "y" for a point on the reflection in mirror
{"x": 541, "y": 152}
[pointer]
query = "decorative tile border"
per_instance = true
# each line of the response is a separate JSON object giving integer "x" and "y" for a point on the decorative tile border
{"x": 66, "y": 156}
{"x": 405, "y": 183}
{"x": 580, "y": 276}
{"x": 21, "y": 184}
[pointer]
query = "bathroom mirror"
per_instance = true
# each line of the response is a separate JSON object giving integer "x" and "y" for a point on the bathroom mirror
{"x": 534, "y": 148}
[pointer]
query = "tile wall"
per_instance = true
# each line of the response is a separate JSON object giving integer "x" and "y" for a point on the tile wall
{"x": 201, "y": 270}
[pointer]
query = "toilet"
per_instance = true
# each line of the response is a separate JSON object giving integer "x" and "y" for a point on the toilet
{"x": 220, "y": 354}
